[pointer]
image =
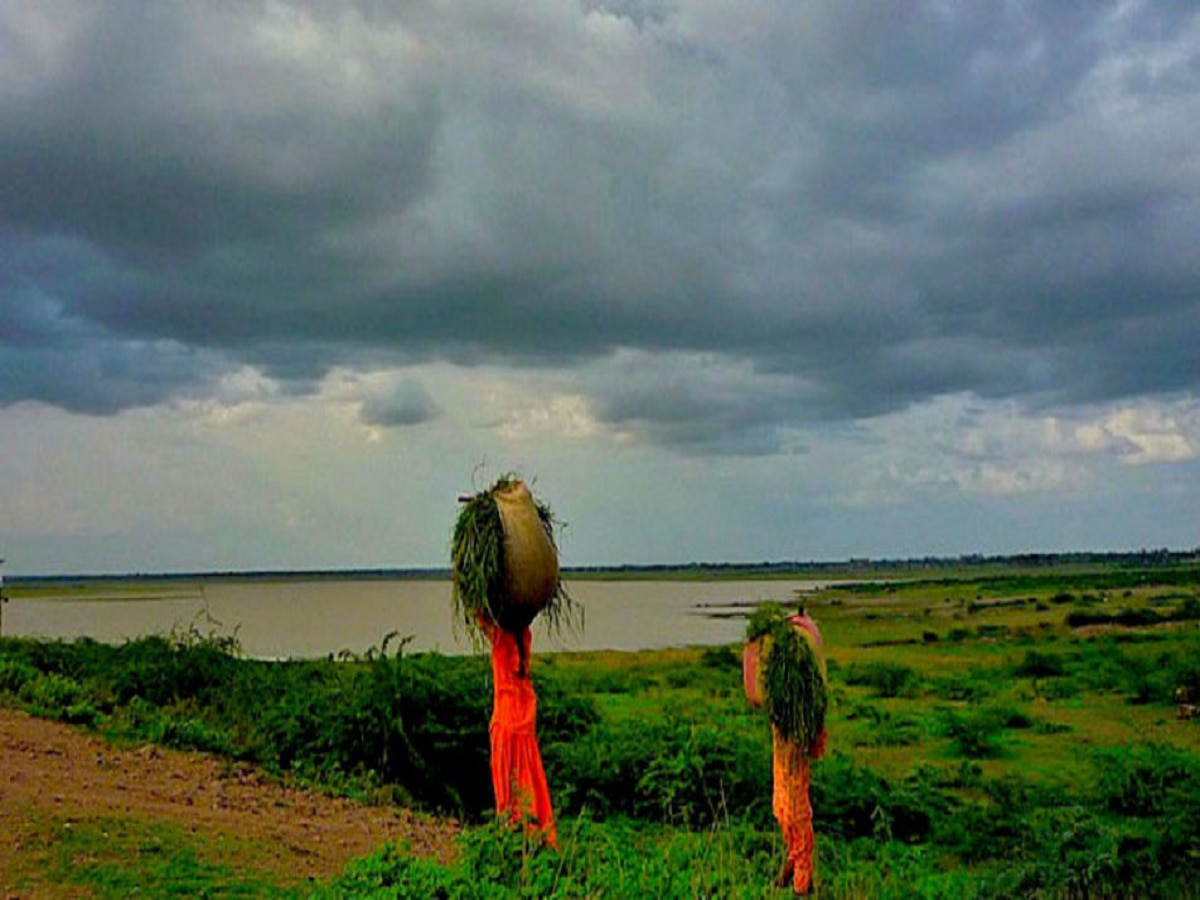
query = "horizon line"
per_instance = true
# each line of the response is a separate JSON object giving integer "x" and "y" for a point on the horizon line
{"x": 852, "y": 563}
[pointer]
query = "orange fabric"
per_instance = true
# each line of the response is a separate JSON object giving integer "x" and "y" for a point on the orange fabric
{"x": 803, "y": 620}
{"x": 792, "y": 770}
{"x": 792, "y": 773}
{"x": 517, "y": 774}
{"x": 750, "y": 659}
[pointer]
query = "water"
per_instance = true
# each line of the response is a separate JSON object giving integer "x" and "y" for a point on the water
{"x": 297, "y": 618}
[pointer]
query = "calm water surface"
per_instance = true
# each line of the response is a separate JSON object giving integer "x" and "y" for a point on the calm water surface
{"x": 297, "y": 618}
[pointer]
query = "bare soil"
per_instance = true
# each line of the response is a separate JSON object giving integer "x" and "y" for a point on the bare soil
{"x": 53, "y": 773}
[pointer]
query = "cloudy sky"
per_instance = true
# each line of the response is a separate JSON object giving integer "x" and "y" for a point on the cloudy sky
{"x": 728, "y": 280}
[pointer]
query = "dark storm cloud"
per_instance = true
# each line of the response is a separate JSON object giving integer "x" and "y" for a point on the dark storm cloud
{"x": 853, "y": 206}
{"x": 51, "y": 354}
{"x": 167, "y": 136}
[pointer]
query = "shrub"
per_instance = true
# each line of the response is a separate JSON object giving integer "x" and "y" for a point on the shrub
{"x": 395, "y": 872}
{"x": 14, "y": 674}
{"x": 886, "y": 729}
{"x": 975, "y": 736}
{"x": 616, "y": 859}
{"x": 1040, "y": 665}
{"x": 887, "y": 679}
{"x": 57, "y": 697}
{"x": 668, "y": 769}
{"x": 417, "y": 722}
{"x": 1143, "y": 780}
{"x": 1188, "y": 611}
{"x": 1129, "y": 618}
{"x": 968, "y": 687}
{"x": 723, "y": 659}
{"x": 1069, "y": 852}
{"x": 190, "y": 734}
{"x": 172, "y": 670}
{"x": 976, "y": 832}
{"x": 852, "y": 802}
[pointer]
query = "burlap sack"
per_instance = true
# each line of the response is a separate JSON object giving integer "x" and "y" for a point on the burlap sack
{"x": 530, "y": 560}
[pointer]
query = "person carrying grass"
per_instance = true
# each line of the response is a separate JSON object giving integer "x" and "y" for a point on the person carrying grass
{"x": 783, "y": 668}
{"x": 505, "y": 567}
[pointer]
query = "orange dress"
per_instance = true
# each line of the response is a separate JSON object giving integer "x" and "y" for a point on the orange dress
{"x": 517, "y": 774}
{"x": 792, "y": 772}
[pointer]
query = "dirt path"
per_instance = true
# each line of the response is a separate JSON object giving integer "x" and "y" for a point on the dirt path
{"x": 51, "y": 772}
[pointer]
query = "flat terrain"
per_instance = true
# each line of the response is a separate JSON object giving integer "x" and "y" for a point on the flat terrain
{"x": 54, "y": 778}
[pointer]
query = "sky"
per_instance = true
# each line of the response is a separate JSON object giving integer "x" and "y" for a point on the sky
{"x": 725, "y": 281}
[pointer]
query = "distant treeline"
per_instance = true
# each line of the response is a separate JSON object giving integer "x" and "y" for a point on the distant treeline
{"x": 864, "y": 565}
{"x": 855, "y": 566}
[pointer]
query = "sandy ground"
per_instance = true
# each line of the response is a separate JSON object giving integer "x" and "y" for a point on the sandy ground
{"x": 51, "y": 772}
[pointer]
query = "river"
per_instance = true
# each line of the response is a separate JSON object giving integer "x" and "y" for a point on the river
{"x": 306, "y": 618}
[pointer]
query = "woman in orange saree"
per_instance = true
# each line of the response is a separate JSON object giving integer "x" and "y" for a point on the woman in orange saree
{"x": 518, "y": 778}
{"x": 791, "y": 769}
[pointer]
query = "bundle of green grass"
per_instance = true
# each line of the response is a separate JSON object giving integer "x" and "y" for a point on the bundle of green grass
{"x": 504, "y": 561}
{"x": 784, "y": 672}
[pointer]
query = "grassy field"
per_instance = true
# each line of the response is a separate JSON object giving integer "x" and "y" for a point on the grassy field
{"x": 995, "y": 732}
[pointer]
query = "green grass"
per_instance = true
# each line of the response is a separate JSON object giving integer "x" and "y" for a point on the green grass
{"x": 980, "y": 747}
{"x": 117, "y": 857}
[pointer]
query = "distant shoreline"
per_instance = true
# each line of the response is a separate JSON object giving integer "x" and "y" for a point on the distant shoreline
{"x": 857, "y": 568}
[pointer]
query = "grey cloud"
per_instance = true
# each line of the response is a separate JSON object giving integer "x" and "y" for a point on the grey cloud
{"x": 698, "y": 404}
{"x": 856, "y": 206}
{"x": 175, "y": 128}
{"x": 49, "y": 353}
{"x": 407, "y": 403}
{"x": 104, "y": 377}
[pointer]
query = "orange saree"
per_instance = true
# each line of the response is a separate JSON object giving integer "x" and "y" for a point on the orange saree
{"x": 792, "y": 773}
{"x": 518, "y": 778}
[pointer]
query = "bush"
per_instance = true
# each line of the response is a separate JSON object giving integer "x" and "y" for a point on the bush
{"x": 419, "y": 723}
{"x": 617, "y": 859}
{"x": 180, "y": 668}
{"x": 851, "y": 802}
{"x": 974, "y": 736}
{"x": 887, "y": 679}
{"x": 1070, "y": 852}
{"x": 969, "y": 687}
{"x": 1040, "y": 665}
{"x": 14, "y": 674}
{"x": 57, "y": 697}
{"x": 394, "y": 872}
{"x": 1144, "y": 780}
{"x": 1129, "y": 618}
{"x": 976, "y": 832}
{"x": 886, "y": 729}
{"x": 1188, "y": 611}
{"x": 669, "y": 769}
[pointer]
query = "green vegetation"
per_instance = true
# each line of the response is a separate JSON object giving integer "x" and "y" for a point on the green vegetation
{"x": 117, "y": 857}
{"x": 793, "y": 677}
{"x": 983, "y": 743}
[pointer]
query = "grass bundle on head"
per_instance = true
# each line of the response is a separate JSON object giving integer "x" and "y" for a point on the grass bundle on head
{"x": 504, "y": 561}
{"x": 791, "y": 673}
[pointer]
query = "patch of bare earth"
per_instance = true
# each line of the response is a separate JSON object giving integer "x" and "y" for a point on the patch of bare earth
{"x": 50, "y": 771}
